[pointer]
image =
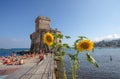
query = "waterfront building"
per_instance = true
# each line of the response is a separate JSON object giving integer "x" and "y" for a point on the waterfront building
{"x": 42, "y": 25}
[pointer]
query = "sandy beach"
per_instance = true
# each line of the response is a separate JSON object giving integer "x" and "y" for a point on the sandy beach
{"x": 15, "y": 71}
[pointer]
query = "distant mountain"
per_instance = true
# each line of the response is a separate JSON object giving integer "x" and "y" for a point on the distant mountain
{"x": 108, "y": 43}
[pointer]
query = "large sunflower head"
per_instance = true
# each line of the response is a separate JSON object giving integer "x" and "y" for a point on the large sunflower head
{"x": 48, "y": 38}
{"x": 86, "y": 45}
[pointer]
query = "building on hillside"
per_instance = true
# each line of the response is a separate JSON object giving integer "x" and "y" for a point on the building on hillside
{"x": 42, "y": 26}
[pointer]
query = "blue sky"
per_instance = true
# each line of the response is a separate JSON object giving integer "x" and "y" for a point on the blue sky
{"x": 91, "y": 18}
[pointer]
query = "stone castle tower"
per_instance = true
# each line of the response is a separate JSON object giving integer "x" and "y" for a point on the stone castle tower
{"x": 42, "y": 25}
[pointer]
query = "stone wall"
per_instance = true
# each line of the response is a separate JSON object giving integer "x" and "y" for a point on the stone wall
{"x": 42, "y": 26}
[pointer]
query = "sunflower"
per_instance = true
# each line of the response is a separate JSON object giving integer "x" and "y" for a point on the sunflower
{"x": 48, "y": 38}
{"x": 85, "y": 45}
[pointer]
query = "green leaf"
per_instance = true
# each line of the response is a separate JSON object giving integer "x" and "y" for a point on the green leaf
{"x": 59, "y": 36}
{"x": 82, "y": 37}
{"x": 76, "y": 41}
{"x": 91, "y": 60}
{"x": 75, "y": 44}
{"x": 54, "y": 45}
{"x": 59, "y": 47}
{"x": 66, "y": 46}
{"x": 75, "y": 47}
{"x": 60, "y": 57}
{"x": 63, "y": 53}
{"x": 67, "y": 37}
{"x": 72, "y": 57}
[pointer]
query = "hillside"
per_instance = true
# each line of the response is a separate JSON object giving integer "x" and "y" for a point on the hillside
{"x": 106, "y": 43}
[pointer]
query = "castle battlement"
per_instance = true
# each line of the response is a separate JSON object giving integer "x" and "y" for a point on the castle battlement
{"x": 43, "y": 18}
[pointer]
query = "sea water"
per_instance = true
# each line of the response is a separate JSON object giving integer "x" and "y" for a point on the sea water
{"x": 108, "y": 69}
{"x": 8, "y": 52}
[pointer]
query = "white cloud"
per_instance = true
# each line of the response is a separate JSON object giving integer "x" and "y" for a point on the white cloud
{"x": 108, "y": 37}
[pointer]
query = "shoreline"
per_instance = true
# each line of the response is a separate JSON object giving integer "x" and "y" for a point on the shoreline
{"x": 15, "y": 71}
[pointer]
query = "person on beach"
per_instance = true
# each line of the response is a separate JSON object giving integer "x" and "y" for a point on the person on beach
{"x": 40, "y": 51}
{"x": 110, "y": 58}
{"x": 13, "y": 54}
{"x": 21, "y": 61}
{"x": 7, "y": 61}
{"x": 41, "y": 56}
{"x": 3, "y": 58}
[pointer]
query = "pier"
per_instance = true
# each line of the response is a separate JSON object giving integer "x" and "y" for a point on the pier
{"x": 41, "y": 70}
